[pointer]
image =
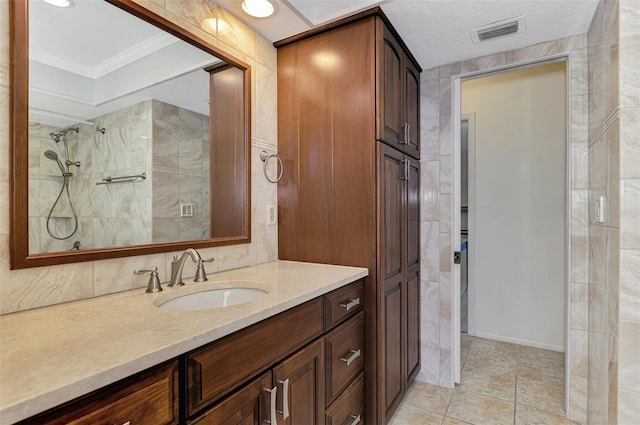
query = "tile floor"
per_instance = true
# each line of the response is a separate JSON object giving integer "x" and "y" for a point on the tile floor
{"x": 501, "y": 384}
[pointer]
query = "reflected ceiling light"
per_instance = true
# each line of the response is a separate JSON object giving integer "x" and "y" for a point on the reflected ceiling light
{"x": 258, "y": 8}
{"x": 326, "y": 60}
{"x": 60, "y": 3}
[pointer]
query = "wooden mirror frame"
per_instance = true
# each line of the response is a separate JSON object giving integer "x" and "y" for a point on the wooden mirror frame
{"x": 19, "y": 149}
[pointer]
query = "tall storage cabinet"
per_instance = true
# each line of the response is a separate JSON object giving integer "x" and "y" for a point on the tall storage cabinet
{"x": 348, "y": 136}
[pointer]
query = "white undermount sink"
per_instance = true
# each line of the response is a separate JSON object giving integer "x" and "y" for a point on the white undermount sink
{"x": 205, "y": 297}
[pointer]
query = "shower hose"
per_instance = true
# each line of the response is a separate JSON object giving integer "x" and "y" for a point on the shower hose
{"x": 64, "y": 188}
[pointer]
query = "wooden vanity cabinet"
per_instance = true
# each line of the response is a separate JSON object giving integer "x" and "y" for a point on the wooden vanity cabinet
{"x": 349, "y": 191}
{"x": 148, "y": 398}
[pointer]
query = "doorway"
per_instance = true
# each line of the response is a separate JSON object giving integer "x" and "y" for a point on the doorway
{"x": 516, "y": 205}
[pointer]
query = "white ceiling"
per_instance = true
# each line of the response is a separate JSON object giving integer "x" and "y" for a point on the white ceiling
{"x": 436, "y": 31}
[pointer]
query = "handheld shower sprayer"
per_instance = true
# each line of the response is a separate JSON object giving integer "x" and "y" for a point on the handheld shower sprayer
{"x": 54, "y": 157}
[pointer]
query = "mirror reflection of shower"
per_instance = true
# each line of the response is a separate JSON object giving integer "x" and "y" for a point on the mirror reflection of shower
{"x": 65, "y": 170}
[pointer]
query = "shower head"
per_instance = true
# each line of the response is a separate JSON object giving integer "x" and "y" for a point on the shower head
{"x": 62, "y": 133}
{"x": 54, "y": 157}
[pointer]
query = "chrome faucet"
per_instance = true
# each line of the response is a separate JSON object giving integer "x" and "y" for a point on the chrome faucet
{"x": 178, "y": 264}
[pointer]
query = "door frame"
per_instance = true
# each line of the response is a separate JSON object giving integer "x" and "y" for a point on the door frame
{"x": 455, "y": 235}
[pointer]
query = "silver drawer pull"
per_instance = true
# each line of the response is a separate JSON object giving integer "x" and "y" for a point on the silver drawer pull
{"x": 354, "y": 355}
{"x": 353, "y": 302}
{"x": 285, "y": 398}
{"x": 272, "y": 395}
{"x": 356, "y": 419}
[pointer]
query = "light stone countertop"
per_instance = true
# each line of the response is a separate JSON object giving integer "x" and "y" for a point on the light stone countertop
{"x": 54, "y": 354}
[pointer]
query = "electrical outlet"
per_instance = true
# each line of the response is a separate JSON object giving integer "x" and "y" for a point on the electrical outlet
{"x": 186, "y": 210}
{"x": 272, "y": 214}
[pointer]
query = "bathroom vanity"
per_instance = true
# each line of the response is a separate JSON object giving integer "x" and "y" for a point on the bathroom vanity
{"x": 294, "y": 355}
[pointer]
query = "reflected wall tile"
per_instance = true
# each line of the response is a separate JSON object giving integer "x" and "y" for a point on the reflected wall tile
{"x": 430, "y": 123}
{"x": 165, "y": 230}
{"x": 613, "y": 174}
{"x": 579, "y": 353}
{"x": 629, "y": 366}
{"x": 430, "y": 311}
{"x": 449, "y": 70}
{"x": 40, "y": 286}
{"x": 446, "y": 253}
{"x": 165, "y": 201}
{"x": 630, "y": 143}
{"x": 628, "y": 407}
{"x": 539, "y": 50}
{"x": 190, "y": 192}
{"x": 630, "y": 285}
{"x": 611, "y": 21}
{"x": 579, "y": 119}
{"x": 190, "y": 228}
{"x": 34, "y": 234}
{"x": 573, "y": 42}
{"x": 579, "y": 213}
{"x": 483, "y": 63}
{"x": 116, "y": 275}
{"x": 579, "y": 72}
{"x": 612, "y": 83}
{"x": 266, "y": 104}
{"x": 446, "y": 206}
{"x": 429, "y": 250}
{"x": 429, "y": 190}
{"x": 446, "y": 303}
{"x": 597, "y": 346}
{"x": 190, "y": 140}
{"x": 446, "y": 367}
{"x": 629, "y": 71}
{"x": 446, "y": 129}
{"x": 446, "y": 177}
{"x": 267, "y": 243}
{"x": 595, "y": 33}
{"x": 578, "y": 387}
{"x": 579, "y": 306}
{"x": 629, "y": 18}
{"x": 430, "y": 82}
{"x": 429, "y": 362}
{"x": 579, "y": 258}
{"x": 630, "y": 214}
{"x": 597, "y": 402}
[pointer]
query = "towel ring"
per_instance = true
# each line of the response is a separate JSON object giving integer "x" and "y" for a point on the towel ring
{"x": 265, "y": 157}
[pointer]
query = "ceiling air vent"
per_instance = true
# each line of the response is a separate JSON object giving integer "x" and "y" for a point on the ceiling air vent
{"x": 498, "y": 29}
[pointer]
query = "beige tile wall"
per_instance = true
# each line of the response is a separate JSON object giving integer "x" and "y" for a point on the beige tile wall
{"x": 628, "y": 385}
{"x": 25, "y": 289}
{"x": 436, "y": 191}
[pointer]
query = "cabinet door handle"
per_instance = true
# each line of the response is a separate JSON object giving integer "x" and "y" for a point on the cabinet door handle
{"x": 285, "y": 398}
{"x": 407, "y": 137}
{"x": 407, "y": 164}
{"x": 404, "y": 130}
{"x": 356, "y": 419}
{"x": 272, "y": 402}
{"x": 404, "y": 169}
{"x": 354, "y": 354}
{"x": 353, "y": 302}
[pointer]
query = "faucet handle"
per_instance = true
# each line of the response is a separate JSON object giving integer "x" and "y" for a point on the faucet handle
{"x": 154, "y": 280}
{"x": 201, "y": 275}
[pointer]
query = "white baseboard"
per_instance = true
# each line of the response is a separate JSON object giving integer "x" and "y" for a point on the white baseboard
{"x": 518, "y": 341}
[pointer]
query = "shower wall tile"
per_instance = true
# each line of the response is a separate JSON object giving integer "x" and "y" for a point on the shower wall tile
{"x": 579, "y": 353}
{"x": 578, "y": 387}
{"x": 429, "y": 190}
{"x": 429, "y": 252}
{"x": 579, "y": 215}
{"x": 579, "y": 118}
{"x": 165, "y": 143}
{"x": 630, "y": 143}
{"x": 536, "y": 51}
{"x": 446, "y": 129}
{"x": 630, "y": 285}
{"x": 165, "y": 203}
{"x": 579, "y": 319}
{"x": 190, "y": 140}
{"x": 165, "y": 230}
{"x": 190, "y": 228}
{"x": 579, "y": 72}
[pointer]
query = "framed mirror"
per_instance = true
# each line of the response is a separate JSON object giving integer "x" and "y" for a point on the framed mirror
{"x": 129, "y": 135}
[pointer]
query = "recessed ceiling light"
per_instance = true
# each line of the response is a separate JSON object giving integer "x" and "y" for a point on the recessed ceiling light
{"x": 60, "y": 3}
{"x": 258, "y": 8}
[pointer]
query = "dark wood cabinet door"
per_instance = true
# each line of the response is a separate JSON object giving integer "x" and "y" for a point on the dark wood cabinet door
{"x": 250, "y": 405}
{"x": 300, "y": 383}
{"x": 411, "y": 105}
{"x": 390, "y": 73}
{"x": 412, "y": 337}
{"x": 392, "y": 218}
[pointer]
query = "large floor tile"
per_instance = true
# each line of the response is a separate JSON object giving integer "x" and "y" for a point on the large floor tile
{"x": 429, "y": 397}
{"x": 491, "y": 362}
{"x": 526, "y": 415}
{"x": 451, "y": 421}
{"x": 409, "y": 415}
{"x": 480, "y": 382}
{"x": 543, "y": 375}
{"x": 480, "y": 410}
{"x": 541, "y": 396}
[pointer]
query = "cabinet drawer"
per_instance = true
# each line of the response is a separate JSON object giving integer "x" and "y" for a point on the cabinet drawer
{"x": 149, "y": 398}
{"x": 342, "y": 303}
{"x": 349, "y": 407}
{"x": 345, "y": 355}
{"x": 218, "y": 368}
